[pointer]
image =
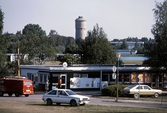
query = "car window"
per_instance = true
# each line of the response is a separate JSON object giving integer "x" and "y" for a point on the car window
{"x": 146, "y": 88}
{"x": 139, "y": 87}
{"x": 54, "y": 92}
{"x": 131, "y": 86}
{"x": 62, "y": 93}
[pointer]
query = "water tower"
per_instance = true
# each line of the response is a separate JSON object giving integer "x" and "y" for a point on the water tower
{"x": 80, "y": 26}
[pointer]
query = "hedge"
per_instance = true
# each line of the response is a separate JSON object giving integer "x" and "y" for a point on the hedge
{"x": 111, "y": 90}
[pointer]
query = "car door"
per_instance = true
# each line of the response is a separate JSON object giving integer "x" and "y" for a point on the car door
{"x": 62, "y": 97}
{"x": 148, "y": 90}
{"x": 52, "y": 95}
{"x": 140, "y": 89}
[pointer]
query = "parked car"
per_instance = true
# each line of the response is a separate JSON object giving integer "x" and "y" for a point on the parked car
{"x": 138, "y": 90}
{"x": 66, "y": 96}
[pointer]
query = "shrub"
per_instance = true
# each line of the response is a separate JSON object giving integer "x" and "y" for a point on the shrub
{"x": 111, "y": 90}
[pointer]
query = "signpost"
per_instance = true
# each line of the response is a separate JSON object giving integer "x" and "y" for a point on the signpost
{"x": 114, "y": 69}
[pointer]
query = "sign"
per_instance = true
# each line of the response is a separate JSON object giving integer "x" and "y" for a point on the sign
{"x": 65, "y": 64}
{"x": 114, "y": 69}
{"x": 114, "y": 76}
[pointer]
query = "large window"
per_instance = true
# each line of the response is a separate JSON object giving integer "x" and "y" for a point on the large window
{"x": 133, "y": 77}
{"x": 147, "y": 78}
{"x": 126, "y": 78}
{"x": 140, "y": 77}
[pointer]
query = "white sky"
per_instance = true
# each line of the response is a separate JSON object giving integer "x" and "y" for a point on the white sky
{"x": 118, "y": 18}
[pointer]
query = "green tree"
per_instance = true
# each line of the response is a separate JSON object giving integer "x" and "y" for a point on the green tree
{"x": 33, "y": 29}
{"x": 96, "y": 49}
{"x": 3, "y": 70}
{"x": 158, "y": 51}
{"x": 124, "y": 44}
{"x": 36, "y": 44}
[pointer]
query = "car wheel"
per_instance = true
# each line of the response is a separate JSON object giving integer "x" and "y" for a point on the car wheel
{"x": 58, "y": 104}
{"x": 156, "y": 95}
{"x": 1, "y": 93}
{"x": 49, "y": 102}
{"x": 73, "y": 103}
{"x": 16, "y": 94}
{"x": 10, "y": 94}
{"x": 136, "y": 95}
{"x": 26, "y": 95}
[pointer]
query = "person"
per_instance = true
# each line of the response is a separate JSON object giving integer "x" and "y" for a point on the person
{"x": 47, "y": 85}
{"x": 59, "y": 82}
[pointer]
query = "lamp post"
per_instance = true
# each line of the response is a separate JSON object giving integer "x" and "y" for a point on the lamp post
{"x": 118, "y": 55}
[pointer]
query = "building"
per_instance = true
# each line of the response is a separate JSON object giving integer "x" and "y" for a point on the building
{"x": 92, "y": 76}
{"x": 131, "y": 45}
{"x": 12, "y": 57}
{"x": 80, "y": 26}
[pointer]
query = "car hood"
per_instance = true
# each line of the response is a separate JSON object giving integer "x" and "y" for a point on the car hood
{"x": 78, "y": 96}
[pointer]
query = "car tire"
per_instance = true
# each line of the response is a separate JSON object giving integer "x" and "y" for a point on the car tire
{"x": 156, "y": 95}
{"x": 1, "y": 93}
{"x": 136, "y": 95}
{"x": 58, "y": 104}
{"x": 10, "y": 94}
{"x": 17, "y": 94}
{"x": 73, "y": 103}
{"x": 49, "y": 102}
{"x": 26, "y": 95}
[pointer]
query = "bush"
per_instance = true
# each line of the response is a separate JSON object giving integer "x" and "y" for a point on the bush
{"x": 111, "y": 90}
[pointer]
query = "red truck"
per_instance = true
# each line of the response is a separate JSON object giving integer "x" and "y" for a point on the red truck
{"x": 16, "y": 85}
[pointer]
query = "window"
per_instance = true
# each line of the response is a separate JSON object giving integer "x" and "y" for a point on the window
{"x": 54, "y": 92}
{"x": 146, "y": 88}
{"x": 76, "y": 75}
{"x": 41, "y": 78}
{"x": 133, "y": 77}
{"x": 1, "y": 81}
{"x": 140, "y": 76}
{"x": 84, "y": 75}
{"x": 147, "y": 78}
{"x": 139, "y": 87}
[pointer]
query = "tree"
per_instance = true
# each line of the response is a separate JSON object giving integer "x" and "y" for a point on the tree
{"x": 158, "y": 51}
{"x": 124, "y": 44}
{"x": 3, "y": 70}
{"x": 33, "y": 29}
{"x": 96, "y": 49}
{"x": 36, "y": 44}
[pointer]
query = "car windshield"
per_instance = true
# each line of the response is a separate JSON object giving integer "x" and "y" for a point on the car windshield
{"x": 70, "y": 92}
{"x": 131, "y": 86}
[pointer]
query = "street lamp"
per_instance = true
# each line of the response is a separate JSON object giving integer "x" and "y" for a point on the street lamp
{"x": 118, "y": 55}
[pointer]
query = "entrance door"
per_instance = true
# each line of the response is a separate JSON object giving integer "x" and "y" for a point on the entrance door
{"x": 64, "y": 81}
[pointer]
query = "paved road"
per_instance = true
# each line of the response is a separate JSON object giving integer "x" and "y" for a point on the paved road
{"x": 97, "y": 101}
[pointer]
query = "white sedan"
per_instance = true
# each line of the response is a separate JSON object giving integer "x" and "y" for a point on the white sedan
{"x": 66, "y": 96}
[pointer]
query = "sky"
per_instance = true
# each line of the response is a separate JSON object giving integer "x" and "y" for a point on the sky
{"x": 119, "y": 19}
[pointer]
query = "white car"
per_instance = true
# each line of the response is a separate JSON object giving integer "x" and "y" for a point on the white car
{"x": 138, "y": 90}
{"x": 66, "y": 96}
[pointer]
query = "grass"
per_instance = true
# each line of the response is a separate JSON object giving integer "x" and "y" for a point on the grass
{"x": 40, "y": 107}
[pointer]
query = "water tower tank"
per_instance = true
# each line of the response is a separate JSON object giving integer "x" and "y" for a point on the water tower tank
{"x": 80, "y": 26}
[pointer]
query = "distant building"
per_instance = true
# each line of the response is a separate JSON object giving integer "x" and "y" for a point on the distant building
{"x": 80, "y": 26}
{"x": 12, "y": 57}
{"x": 126, "y": 51}
{"x": 131, "y": 45}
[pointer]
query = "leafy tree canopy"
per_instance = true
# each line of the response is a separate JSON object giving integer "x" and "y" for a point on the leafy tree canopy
{"x": 96, "y": 49}
{"x": 33, "y": 29}
{"x": 158, "y": 51}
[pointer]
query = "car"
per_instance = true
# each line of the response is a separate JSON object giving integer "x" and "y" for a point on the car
{"x": 138, "y": 90}
{"x": 66, "y": 96}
